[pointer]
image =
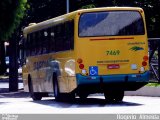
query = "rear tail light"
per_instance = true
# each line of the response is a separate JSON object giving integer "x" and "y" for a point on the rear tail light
{"x": 144, "y": 63}
{"x": 145, "y": 58}
{"x": 79, "y": 60}
{"x": 81, "y": 66}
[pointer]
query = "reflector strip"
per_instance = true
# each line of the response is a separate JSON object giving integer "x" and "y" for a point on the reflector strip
{"x": 129, "y": 38}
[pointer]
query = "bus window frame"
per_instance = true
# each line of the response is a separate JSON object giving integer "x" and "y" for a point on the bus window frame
{"x": 39, "y": 36}
{"x": 144, "y": 29}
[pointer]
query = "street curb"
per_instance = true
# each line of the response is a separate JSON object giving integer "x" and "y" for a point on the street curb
{"x": 145, "y": 91}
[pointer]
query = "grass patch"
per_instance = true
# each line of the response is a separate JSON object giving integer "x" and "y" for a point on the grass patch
{"x": 153, "y": 84}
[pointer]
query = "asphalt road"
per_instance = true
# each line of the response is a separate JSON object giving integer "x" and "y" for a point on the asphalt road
{"x": 20, "y": 102}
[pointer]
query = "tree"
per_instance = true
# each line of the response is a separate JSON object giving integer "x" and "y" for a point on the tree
{"x": 151, "y": 8}
{"x": 44, "y": 9}
{"x": 11, "y": 14}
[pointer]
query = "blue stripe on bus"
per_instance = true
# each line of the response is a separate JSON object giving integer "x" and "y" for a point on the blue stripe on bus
{"x": 144, "y": 77}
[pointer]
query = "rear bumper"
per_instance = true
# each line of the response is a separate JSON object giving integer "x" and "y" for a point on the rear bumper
{"x": 125, "y": 81}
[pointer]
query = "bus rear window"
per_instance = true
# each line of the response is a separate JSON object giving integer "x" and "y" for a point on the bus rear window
{"x": 112, "y": 23}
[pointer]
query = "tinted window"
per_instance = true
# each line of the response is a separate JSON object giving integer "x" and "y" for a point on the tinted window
{"x": 113, "y": 23}
{"x": 54, "y": 39}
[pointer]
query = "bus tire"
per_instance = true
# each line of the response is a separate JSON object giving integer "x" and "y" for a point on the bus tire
{"x": 34, "y": 96}
{"x": 83, "y": 96}
{"x": 66, "y": 97}
{"x": 119, "y": 96}
{"x": 114, "y": 96}
{"x": 56, "y": 91}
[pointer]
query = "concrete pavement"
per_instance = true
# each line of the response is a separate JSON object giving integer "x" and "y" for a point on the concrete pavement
{"x": 4, "y": 88}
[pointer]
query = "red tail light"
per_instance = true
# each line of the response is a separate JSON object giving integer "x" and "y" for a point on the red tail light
{"x": 81, "y": 66}
{"x": 144, "y": 63}
{"x": 145, "y": 58}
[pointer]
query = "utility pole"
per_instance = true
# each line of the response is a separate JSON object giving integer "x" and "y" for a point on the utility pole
{"x": 13, "y": 64}
{"x": 67, "y": 6}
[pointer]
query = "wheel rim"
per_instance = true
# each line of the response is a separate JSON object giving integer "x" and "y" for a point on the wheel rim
{"x": 56, "y": 89}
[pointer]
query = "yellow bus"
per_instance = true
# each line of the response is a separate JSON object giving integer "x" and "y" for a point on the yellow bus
{"x": 99, "y": 50}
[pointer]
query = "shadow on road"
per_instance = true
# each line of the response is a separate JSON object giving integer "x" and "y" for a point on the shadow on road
{"x": 4, "y": 93}
{"x": 4, "y": 88}
{"x": 89, "y": 102}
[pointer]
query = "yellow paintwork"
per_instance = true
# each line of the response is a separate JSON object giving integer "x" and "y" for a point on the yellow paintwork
{"x": 93, "y": 53}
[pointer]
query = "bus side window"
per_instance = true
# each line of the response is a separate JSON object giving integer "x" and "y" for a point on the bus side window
{"x": 36, "y": 43}
{"x": 52, "y": 40}
{"x": 39, "y": 43}
{"x": 28, "y": 45}
{"x": 33, "y": 44}
{"x": 41, "y": 38}
{"x": 69, "y": 43}
{"x": 47, "y": 45}
{"x": 58, "y": 43}
{"x": 71, "y": 24}
{"x": 62, "y": 37}
{"x": 45, "y": 40}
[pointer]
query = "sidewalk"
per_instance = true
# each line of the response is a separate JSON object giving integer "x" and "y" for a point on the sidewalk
{"x": 4, "y": 84}
{"x": 4, "y": 88}
{"x": 4, "y": 78}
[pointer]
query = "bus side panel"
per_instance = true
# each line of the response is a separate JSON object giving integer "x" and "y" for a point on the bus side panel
{"x": 25, "y": 78}
{"x": 65, "y": 70}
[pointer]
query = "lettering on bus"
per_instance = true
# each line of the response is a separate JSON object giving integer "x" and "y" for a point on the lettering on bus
{"x": 112, "y": 52}
{"x": 40, "y": 64}
{"x": 136, "y": 43}
{"x": 112, "y": 61}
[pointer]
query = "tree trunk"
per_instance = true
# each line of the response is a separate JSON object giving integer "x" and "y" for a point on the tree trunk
{"x": 2, "y": 58}
{"x": 13, "y": 66}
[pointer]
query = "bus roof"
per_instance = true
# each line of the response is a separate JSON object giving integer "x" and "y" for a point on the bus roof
{"x": 66, "y": 17}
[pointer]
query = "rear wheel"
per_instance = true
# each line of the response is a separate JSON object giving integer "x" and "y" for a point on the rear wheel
{"x": 57, "y": 94}
{"x": 61, "y": 96}
{"x": 34, "y": 96}
{"x": 114, "y": 96}
{"x": 83, "y": 95}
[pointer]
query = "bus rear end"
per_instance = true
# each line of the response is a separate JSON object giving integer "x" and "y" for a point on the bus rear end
{"x": 112, "y": 51}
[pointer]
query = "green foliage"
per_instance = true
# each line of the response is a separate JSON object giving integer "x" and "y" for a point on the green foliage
{"x": 151, "y": 8}
{"x": 55, "y": 8}
{"x": 153, "y": 84}
{"x": 88, "y": 6}
{"x": 11, "y": 14}
{"x": 44, "y": 9}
